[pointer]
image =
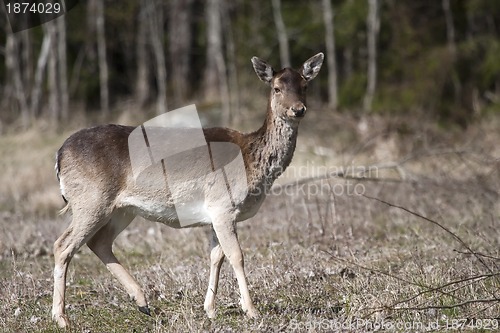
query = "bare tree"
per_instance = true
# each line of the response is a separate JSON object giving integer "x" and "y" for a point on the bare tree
{"x": 179, "y": 47}
{"x": 214, "y": 43}
{"x": 373, "y": 25}
{"x": 216, "y": 71}
{"x": 348, "y": 62}
{"x": 232, "y": 71}
{"x": 330, "y": 53}
{"x": 27, "y": 56}
{"x": 452, "y": 49}
{"x": 155, "y": 18}
{"x": 282, "y": 35}
{"x": 14, "y": 69}
{"x": 36, "y": 92}
{"x": 450, "y": 28}
{"x": 54, "y": 111}
{"x": 101, "y": 55}
{"x": 62, "y": 69}
{"x": 142, "y": 89}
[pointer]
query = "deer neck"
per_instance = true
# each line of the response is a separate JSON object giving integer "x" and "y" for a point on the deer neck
{"x": 271, "y": 149}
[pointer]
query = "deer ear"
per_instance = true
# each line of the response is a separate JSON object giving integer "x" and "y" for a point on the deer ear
{"x": 264, "y": 71}
{"x": 311, "y": 67}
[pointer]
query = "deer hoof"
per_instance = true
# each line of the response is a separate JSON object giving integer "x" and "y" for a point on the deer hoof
{"x": 145, "y": 310}
{"x": 210, "y": 313}
{"x": 252, "y": 313}
{"x": 61, "y": 320}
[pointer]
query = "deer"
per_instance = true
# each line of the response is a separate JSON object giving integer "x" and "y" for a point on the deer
{"x": 93, "y": 167}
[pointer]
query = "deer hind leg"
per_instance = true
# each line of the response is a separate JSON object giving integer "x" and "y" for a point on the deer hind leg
{"x": 101, "y": 244}
{"x": 82, "y": 228}
{"x": 216, "y": 260}
{"x": 225, "y": 229}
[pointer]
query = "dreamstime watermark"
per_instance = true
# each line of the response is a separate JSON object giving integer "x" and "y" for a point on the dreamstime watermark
{"x": 312, "y": 180}
{"x": 24, "y": 14}
{"x": 366, "y": 325}
{"x": 322, "y": 187}
{"x": 170, "y": 157}
{"x": 170, "y": 151}
{"x": 311, "y": 170}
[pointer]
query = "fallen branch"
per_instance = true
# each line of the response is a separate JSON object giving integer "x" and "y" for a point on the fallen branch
{"x": 470, "y": 278}
{"x": 479, "y": 254}
{"x": 479, "y": 258}
{"x": 377, "y": 271}
{"x": 439, "y": 289}
{"x": 345, "y": 174}
{"x": 456, "y": 305}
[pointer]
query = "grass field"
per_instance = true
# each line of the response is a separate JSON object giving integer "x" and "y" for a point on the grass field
{"x": 411, "y": 244}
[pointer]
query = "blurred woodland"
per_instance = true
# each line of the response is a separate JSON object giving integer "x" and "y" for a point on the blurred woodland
{"x": 406, "y": 107}
{"x": 436, "y": 59}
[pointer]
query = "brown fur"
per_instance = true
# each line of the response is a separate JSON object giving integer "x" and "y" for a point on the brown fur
{"x": 95, "y": 174}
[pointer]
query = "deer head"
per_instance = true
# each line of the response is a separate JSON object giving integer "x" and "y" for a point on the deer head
{"x": 287, "y": 99}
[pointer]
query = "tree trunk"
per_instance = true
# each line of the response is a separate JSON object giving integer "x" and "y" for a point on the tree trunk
{"x": 282, "y": 35}
{"x": 330, "y": 54}
{"x": 213, "y": 47}
{"x": 450, "y": 38}
{"x": 450, "y": 28}
{"x": 62, "y": 69}
{"x": 101, "y": 55}
{"x": 156, "y": 20}
{"x": 179, "y": 48}
{"x": 373, "y": 24}
{"x": 232, "y": 73}
{"x": 27, "y": 57}
{"x": 50, "y": 29}
{"x": 216, "y": 71}
{"x": 348, "y": 60}
{"x": 223, "y": 76}
{"x": 36, "y": 92}
{"x": 142, "y": 88}
{"x": 12, "y": 65}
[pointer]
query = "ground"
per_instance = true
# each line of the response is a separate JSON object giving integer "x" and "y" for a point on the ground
{"x": 410, "y": 244}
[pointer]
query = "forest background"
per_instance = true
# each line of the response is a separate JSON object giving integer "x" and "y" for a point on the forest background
{"x": 436, "y": 59}
{"x": 388, "y": 215}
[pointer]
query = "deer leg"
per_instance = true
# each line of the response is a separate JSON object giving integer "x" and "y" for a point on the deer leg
{"x": 216, "y": 260}
{"x": 225, "y": 230}
{"x": 65, "y": 247}
{"x": 101, "y": 244}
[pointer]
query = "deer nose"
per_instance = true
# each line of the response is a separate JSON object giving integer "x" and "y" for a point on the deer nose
{"x": 299, "y": 110}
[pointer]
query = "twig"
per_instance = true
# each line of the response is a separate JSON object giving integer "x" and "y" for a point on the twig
{"x": 438, "y": 289}
{"x": 373, "y": 270}
{"x": 456, "y": 305}
{"x": 476, "y": 313}
{"x": 396, "y": 165}
{"x": 476, "y": 277}
{"x": 479, "y": 254}
{"x": 437, "y": 224}
{"x": 342, "y": 174}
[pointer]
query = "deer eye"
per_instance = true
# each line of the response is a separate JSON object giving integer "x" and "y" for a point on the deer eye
{"x": 277, "y": 90}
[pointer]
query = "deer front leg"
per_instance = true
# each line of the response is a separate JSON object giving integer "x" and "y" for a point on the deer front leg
{"x": 216, "y": 260}
{"x": 225, "y": 231}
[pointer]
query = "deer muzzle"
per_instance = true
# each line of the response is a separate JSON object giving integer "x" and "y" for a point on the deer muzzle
{"x": 299, "y": 110}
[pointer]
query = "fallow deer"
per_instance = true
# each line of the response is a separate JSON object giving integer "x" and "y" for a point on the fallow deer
{"x": 95, "y": 175}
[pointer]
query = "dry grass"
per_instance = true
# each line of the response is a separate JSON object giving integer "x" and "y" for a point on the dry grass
{"x": 315, "y": 259}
